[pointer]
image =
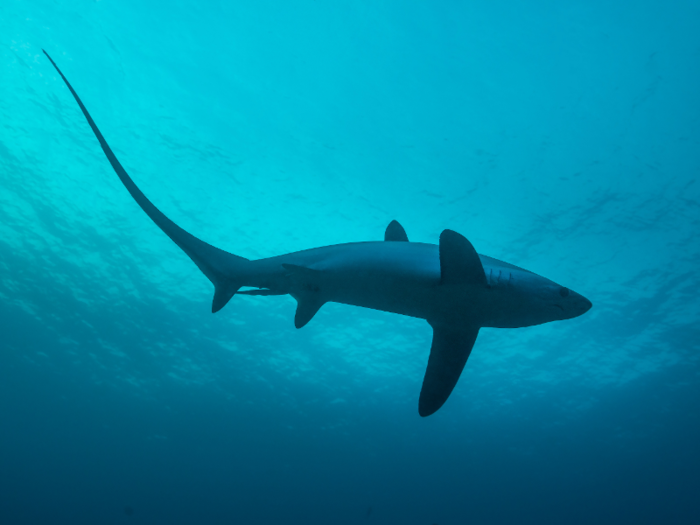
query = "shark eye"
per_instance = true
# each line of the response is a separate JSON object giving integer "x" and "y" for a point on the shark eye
{"x": 564, "y": 292}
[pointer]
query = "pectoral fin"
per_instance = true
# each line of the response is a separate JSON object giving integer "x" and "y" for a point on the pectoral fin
{"x": 459, "y": 262}
{"x": 448, "y": 355}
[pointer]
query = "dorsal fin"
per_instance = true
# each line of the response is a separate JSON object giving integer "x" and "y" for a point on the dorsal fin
{"x": 459, "y": 262}
{"x": 448, "y": 355}
{"x": 395, "y": 232}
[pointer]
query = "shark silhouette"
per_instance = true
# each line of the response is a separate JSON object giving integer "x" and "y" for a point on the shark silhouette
{"x": 449, "y": 285}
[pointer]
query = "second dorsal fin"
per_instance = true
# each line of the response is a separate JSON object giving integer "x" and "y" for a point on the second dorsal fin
{"x": 395, "y": 232}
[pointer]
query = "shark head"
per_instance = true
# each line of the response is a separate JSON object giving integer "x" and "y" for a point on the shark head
{"x": 562, "y": 302}
{"x": 541, "y": 300}
{"x": 526, "y": 299}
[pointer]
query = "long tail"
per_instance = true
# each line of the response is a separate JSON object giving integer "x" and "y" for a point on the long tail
{"x": 225, "y": 270}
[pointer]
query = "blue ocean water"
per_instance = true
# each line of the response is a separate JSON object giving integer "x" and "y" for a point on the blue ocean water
{"x": 561, "y": 137}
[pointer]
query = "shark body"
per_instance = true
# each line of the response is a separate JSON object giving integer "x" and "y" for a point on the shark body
{"x": 456, "y": 290}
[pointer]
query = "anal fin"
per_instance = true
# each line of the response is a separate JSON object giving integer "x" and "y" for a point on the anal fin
{"x": 448, "y": 355}
{"x": 262, "y": 291}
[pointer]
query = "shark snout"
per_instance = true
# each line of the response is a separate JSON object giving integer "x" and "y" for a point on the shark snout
{"x": 580, "y": 304}
{"x": 587, "y": 305}
{"x": 573, "y": 305}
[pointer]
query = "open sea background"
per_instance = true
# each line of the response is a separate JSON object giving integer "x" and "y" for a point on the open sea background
{"x": 563, "y": 137}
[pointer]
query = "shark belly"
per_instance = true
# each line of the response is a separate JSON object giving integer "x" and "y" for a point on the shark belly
{"x": 410, "y": 295}
{"x": 400, "y": 278}
{"x": 393, "y": 277}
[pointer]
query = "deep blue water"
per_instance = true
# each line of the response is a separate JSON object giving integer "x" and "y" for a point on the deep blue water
{"x": 563, "y": 137}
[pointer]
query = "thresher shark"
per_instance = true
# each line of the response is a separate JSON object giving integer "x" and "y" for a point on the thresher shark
{"x": 456, "y": 290}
